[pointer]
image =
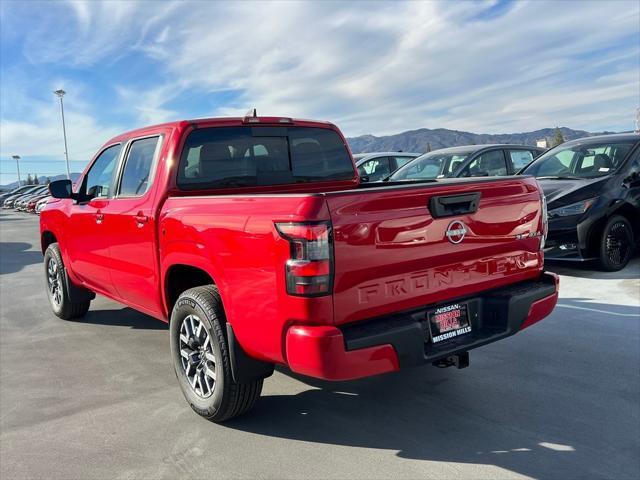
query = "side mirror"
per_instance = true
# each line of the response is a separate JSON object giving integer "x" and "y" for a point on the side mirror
{"x": 61, "y": 189}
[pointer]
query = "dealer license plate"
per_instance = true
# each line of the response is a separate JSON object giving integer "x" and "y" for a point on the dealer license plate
{"x": 448, "y": 322}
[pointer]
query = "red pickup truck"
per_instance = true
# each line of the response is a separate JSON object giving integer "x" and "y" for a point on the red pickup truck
{"x": 254, "y": 238}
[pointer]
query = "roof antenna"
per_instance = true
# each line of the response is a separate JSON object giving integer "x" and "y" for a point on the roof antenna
{"x": 251, "y": 113}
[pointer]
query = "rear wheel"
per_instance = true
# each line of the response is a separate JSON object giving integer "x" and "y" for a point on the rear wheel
{"x": 57, "y": 283}
{"x": 200, "y": 353}
{"x": 616, "y": 244}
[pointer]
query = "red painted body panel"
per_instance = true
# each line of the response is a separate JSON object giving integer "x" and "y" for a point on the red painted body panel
{"x": 389, "y": 253}
{"x": 392, "y": 255}
{"x": 543, "y": 307}
{"x": 320, "y": 352}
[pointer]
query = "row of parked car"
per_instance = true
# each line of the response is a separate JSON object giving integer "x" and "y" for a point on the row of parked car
{"x": 591, "y": 185}
{"x": 28, "y": 198}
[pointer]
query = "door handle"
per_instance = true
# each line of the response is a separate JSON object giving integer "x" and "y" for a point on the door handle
{"x": 99, "y": 216}
{"x": 141, "y": 219}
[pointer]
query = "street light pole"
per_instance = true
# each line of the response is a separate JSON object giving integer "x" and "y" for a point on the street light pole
{"x": 60, "y": 93}
{"x": 17, "y": 158}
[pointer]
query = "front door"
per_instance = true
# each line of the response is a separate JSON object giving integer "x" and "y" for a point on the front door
{"x": 88, "y": 252}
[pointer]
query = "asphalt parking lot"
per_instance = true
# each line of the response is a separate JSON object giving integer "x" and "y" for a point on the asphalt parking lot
{"x": 99, "y": 399}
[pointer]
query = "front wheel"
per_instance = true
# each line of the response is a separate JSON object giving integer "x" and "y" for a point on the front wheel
{"x": 57, "y": 287}
{"x": 200, "y": 353}
{"x": 616, "y": 244}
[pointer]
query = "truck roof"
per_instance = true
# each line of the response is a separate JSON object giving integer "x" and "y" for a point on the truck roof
{"x": 225, "y": 121}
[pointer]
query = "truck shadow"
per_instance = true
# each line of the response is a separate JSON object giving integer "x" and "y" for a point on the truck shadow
{"x": 16, "y": 256}
{"x": 124, "y": 317}
{"x": 407, "y": 413}
{"x": 520, "y": 417}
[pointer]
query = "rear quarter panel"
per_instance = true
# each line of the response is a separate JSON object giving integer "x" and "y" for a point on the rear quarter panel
{"x": 233, "y": 238}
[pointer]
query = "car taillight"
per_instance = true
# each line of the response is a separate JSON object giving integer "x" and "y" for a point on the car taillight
{"x": 309, "y": 270}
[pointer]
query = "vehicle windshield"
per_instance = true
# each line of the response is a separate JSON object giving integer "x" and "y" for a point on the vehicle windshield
{"x": 431, "y": 165}
{"x": 580, "y": 160}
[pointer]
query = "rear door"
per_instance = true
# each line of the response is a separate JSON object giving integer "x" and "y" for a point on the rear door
{"x": 394, "y": 250}
{"x": 130, "y": 226}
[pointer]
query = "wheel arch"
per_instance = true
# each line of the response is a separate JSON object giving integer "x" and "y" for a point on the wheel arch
{"x": 180, "y": 277}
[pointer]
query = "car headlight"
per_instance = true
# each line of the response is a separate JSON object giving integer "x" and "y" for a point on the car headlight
{"x": 577, "y": 208}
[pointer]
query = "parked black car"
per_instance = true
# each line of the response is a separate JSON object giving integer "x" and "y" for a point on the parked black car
{"x": 373, "y": 167}
{"x": 592, "y": 188}
{"x": 468, "y": 161}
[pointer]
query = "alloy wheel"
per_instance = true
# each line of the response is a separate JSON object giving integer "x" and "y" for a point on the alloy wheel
{"x": 618, "y": 243}
{"x": 196, "y": 355}
{"x": 54, "y": 282}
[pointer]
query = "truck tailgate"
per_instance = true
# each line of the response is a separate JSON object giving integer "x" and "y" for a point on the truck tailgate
{"x": 393, "y": 252}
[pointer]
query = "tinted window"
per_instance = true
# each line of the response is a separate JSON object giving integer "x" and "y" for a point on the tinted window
{"x": 98, "y": 179}
{"x": 583, "y": 160}
{"x": 490, "y": 163}
{"x": 137, "y": 169}
{"x": 402, "y": 161}
{"x": 250, "y": 156}
{"x": 431, "y": 165}
{"x": 520, "y": 158}
{"x": 375, "y": 169}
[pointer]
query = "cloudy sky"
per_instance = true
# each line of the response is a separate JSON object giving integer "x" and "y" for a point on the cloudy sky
{"x": 496, "y": 66}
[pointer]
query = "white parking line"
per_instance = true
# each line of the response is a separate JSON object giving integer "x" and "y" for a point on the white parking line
{"x": 601, "y": 311}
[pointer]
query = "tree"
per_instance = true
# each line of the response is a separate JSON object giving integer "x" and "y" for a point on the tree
{"x": 428, "y": 147}
{"x": 557, "y": 138}
{"x": 35, "y": 180}
{"x": 29, "y": 179}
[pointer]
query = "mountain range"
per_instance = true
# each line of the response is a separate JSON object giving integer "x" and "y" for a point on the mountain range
{"x": 419, "y": 140}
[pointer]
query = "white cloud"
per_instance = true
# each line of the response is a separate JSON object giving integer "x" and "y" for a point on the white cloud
{"x": 370, "y": 67}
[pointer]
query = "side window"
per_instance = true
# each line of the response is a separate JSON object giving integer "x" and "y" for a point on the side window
{"x": 137, "y": 167}
{"x": 454, "y": 163}
{"x": 520, "y": 159}
{"x": 98, "y": 178}
{"x": 402, "y": 161}
{"x": 378, "y": 168}
{"x": 490, "y": 163}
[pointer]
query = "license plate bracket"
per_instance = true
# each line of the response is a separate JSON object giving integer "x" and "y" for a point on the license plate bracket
{"x": 448, "y": 321}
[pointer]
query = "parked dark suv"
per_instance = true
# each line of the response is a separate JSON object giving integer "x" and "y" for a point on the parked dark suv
{"x": 592, "y": 187}
{"x": 468, "y": 161}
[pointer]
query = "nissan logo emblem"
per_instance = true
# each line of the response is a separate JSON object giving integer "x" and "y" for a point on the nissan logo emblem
{"x": 456, "y": 231}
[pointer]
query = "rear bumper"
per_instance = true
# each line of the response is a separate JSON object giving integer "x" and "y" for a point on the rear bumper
{"x": 387, "y": 344}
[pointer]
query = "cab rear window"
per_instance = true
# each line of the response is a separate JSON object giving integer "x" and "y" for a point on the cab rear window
{"x": 256, "y": 156}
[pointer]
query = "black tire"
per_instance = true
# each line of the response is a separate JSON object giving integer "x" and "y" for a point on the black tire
{"x": 60, "y": 302}
{"x": 227, "y": 399}
{"x": 616, "y": 244}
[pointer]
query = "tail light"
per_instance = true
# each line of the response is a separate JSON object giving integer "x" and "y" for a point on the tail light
{"x": 309, "y": 270}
